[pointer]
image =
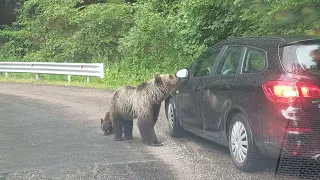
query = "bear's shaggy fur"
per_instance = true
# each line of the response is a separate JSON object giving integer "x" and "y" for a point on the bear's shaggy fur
{"x": 142, "y": 103}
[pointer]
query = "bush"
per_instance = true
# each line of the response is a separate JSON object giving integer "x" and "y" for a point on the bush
{"x": 135, "y": 40}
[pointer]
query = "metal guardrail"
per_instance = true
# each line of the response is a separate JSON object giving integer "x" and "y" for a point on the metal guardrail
{"x": 78, "y": 69}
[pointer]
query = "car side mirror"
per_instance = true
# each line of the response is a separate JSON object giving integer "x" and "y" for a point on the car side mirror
{"x": 182, "y": 73}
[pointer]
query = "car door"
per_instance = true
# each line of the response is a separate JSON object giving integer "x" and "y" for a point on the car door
{"x": 187, "y": 100}
{"x": 188, "y": 95}
{"x": 250, "y": 92}
{"x": 217, "y": 90}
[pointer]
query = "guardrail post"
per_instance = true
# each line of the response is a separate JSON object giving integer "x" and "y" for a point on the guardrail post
{"x": 6, "y": 74}
{"x": 69, "y": 78}
{"x": 37, "y": 77}
{"x": 88, "y": 79}
{"x": 102, "y": 70}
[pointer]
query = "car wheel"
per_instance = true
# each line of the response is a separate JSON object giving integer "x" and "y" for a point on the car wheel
{"x": 174, "y": 124}
{"x": 243, "y": 150}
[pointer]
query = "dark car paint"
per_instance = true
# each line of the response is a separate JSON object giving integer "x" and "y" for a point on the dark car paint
{"x": 243, "y": 93}
{"x": 219, "y": 88}
{"x": 188, "y": 104}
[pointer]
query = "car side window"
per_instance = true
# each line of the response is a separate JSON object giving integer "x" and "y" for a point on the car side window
{"x": 230, "y": 60}
{"x": 255, "y": 61}
{"x": 204, "y": 65}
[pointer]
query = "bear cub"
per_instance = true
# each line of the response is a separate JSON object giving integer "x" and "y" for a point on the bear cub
{"x": 106, "y": 127}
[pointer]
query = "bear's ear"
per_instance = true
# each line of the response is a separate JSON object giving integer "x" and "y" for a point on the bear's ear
{"x": 107, "y": 116}
{"x": 157, "y": 77}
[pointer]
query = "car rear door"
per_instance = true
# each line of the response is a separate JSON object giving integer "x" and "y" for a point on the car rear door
{"x": 248, "y": 87}
{"x": 217, "y": 90}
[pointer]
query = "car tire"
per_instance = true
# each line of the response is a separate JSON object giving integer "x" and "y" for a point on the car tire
{"x": 244, "y": 152}
{"x": 173, "y": 122}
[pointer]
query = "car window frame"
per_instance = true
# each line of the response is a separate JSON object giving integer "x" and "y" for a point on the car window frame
{"x": 192, "y": 66}
{"x": 225, "y": 47}
{"x": 244, "y": 60}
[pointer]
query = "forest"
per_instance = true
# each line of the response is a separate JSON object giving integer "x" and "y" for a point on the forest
{"x": 136, "y": 38}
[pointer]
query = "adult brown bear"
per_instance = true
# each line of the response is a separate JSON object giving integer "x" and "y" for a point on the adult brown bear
{"x": 142, "y": 103}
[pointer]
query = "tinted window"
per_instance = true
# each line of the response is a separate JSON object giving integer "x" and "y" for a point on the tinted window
{"x": 309, "y": 56}
{"x": 230, "y": 60}
{"x": 302, "y": 57}
{"x": 255, "y": 61}
{"x": 204, "y": 66}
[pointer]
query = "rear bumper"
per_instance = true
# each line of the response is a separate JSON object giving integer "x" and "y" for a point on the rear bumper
{"x": 299, "y": 159}
{"x": 293, "y": 131}
{"x": 302, "y": 146}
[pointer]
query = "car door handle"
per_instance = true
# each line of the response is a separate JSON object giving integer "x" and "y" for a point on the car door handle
{"x": 225, "y": 87}
{"x": 197, "y": 88}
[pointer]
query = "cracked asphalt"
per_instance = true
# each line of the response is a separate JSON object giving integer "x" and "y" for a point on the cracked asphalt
{"x": 53, "y": 132}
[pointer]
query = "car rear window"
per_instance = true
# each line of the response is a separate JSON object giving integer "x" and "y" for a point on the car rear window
{"x": 304, "y": 57}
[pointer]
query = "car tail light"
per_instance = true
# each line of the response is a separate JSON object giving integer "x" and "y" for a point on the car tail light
{"x": 279, "y": 91}
{"x": 310, "y": 91}
{"x": 284, "y": 92}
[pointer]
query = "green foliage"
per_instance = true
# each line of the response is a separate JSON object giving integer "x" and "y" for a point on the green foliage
{"x": 53, "y": 30}
{"x": 154, "y": 44}
{"x": 206, "y": 21}
{"x": 12, "y": 45}
{"x": 135, "y": 40}
{"x": 281, "y": 17}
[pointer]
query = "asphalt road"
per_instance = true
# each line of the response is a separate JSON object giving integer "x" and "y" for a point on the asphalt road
{"x": 53, "y": 132}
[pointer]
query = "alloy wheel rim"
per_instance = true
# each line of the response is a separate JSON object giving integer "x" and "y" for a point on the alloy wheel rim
{"x": 239, "y": 142}
{"x": 171, "y": 115}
